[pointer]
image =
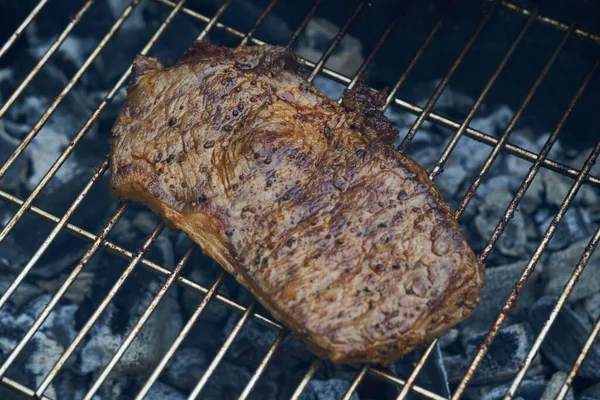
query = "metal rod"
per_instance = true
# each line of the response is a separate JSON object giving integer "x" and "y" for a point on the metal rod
{"x": 100, "y": 309}
{"x": 456, "y": 137}
{"x": 181, "y": 336}
{"x": 527, "y": 272}
{"x": 418, "y": 54}
{"x": 354, "y": 385}
{"x": 263, "y": 365}
{"x": 307, "y": 376}
{"x": 222, "y": 351}
{"x": 579, "y": 362}
{"x": 56, "y": 102}
{"x": 304, "y": 22}
{"x": 511, "y": 125}
{"x": 438, "y": 91}
{"x": 137, "y": 327}
{"x": 338, "y": 38}
{"x": 19, "y": 31}
{"x": 51, "y": 50}
{"x": 585, "y": 257}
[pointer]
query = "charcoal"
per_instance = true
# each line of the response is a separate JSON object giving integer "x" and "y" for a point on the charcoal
{"x": 565, "y": 338}
{"x": 326, "y": 390}
{"x": 348, "y": 56}
{"x": 503, "y": 359}
{"x": 186, "y": 368}
{"x": 574, "y": 226}
{"x": 150, "y": 344}
{"x": 499, "y": 284}
{"x": 592, "y": 307}
{"x": 253, "y": 338}
{"x": 205, "y": 272}
{"x": 591, "y": 393}
{"x": 433, "y": 375}
{"x": 162, "y": 391}
{"x": 530, "y": 388}
{"x": 559, "y": 266}
{"x": 24, "y": 294}
{"x": 452, "y": 179}
{"x": 554, "y": 386}
{"x": 512, "y": 242}
{"x": 449, "y": 338}
{"x": 79, "y": 290}
{"x": 15, "y": 177}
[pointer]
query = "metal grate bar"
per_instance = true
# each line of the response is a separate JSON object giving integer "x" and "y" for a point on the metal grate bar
{"x": 487, "y": 167}
{"x": 51, "y": 50}
{"x": 438, "y": 90}
{"x": 585, "y": 257}
{"x": 432, "y": 116}
{"x": 221, "y": 353}
{"x": 258, "y": 22}
{"x": 338, "y": 38}
{"x": 511, "y": 125}
{"x": 38, "y": 125}
{"x": 137, "y": 327}
{"x": 579, "y": 362}
{"x": 263, "y": 365}
{"x": 19, "y": 31}
{"x": 528, "y": 269}
{"x": 305, "y": 379}
{"x": 436, "y": 170}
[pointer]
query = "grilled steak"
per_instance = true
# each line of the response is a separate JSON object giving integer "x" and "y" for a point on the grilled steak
{"x": 305, "y": 202}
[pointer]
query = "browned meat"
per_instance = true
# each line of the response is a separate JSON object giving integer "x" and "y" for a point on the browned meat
{"x": 342, "y": 238}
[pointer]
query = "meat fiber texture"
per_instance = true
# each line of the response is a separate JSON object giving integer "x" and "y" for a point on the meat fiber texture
{"x": 305, "y": 202}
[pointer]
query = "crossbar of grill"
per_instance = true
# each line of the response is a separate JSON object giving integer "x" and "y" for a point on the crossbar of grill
{"x": 581, "y": 176}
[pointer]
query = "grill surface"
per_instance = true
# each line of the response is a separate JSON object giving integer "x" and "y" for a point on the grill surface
{"x": 460, "y": 128}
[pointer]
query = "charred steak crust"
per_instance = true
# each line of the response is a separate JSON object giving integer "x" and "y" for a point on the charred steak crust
{"x": 306, "y": 203}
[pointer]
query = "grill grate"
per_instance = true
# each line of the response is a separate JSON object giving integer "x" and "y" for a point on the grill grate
{"x": 538, "y": 160}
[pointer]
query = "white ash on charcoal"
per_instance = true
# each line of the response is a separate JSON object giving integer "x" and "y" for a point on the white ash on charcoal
{"x": 558, "y": 267}
{"x": 44, "y": 349}
{"x": 566, "y": 338}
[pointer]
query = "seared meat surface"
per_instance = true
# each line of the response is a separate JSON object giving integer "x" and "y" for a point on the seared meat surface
{"x": 305, "y": 202}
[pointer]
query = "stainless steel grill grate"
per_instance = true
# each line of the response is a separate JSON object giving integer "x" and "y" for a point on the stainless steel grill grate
{"x": 538, "y": 161}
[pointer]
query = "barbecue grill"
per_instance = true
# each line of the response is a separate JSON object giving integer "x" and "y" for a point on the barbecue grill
{"x": 456, "y": 129}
